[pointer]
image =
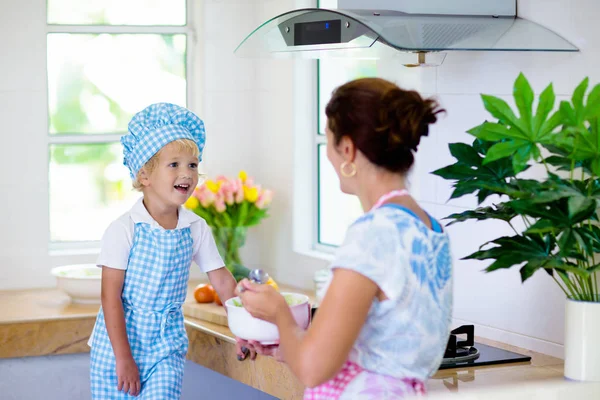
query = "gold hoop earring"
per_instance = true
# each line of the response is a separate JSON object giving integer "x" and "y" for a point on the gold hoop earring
{"x": 352, "y": 169}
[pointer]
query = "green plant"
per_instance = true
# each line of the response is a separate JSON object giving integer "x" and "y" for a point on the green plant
{"x": 560, "y": 209}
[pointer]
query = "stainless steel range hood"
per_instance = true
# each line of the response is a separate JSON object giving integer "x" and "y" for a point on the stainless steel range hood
{"x": 404, "y": 29}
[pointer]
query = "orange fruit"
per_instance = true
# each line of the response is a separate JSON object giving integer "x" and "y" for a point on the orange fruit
{"x": 204, "y": 293}
{"x": 218, "y": 300}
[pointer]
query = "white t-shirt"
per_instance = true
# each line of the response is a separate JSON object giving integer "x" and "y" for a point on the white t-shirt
{"x": 118, "y": 238}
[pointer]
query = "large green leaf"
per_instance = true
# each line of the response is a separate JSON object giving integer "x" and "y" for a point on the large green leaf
{"x": 591, "y": 235}
{"x": 562, "y": 212}
{"x": 553, "y": 188}
{"x": 495, "y": 132}
{"x": 592, "y": 111}
{"x": 501, "y": 212}
{"x": 563, "y": 162}
{"x": 471, "y": 175}
{"x": 519, "y": 137}
{"x": 532, "y": 251}
{"x": 544, "y": 108}
{"x": 560, "y": 218}
{"x": 580, "y": 138}
{"x": 501, "y": 110}
{"x": 523, "y": 94}
{"x": 504, "y": 149}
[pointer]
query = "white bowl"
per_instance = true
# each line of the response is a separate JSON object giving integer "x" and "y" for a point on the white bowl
{"x": 82, "y": 282}
{"x": 245, "y": 326}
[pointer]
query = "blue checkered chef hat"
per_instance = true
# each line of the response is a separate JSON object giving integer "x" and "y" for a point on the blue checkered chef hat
{"x": 156, "y": 126}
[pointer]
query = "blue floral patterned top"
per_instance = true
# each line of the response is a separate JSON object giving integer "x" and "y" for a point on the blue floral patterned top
{"x": 406, "y": 335}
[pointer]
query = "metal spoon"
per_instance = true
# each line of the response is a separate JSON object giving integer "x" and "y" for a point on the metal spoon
{"x": 257, "y": 276}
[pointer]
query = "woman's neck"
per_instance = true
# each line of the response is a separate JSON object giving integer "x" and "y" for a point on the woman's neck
{"x": 166, "y": 216}
{"x": 371, "y": 190}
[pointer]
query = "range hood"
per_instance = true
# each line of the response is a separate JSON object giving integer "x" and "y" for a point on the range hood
{"x": 416, "y": 31}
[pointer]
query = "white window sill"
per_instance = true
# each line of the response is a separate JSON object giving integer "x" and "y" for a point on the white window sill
{"x": 321, "y": 253}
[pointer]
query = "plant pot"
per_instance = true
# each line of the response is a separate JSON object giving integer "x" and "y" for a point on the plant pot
{"x": 582, "y": 345}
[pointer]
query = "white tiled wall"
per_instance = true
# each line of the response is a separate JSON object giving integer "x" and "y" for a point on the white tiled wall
{"x": 23, "y": 153}
{"x": 248, "y": 107}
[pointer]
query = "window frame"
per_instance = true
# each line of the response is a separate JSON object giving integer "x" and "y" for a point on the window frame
{"x": 62, "y": 248}
{"x": 320, "y": 139}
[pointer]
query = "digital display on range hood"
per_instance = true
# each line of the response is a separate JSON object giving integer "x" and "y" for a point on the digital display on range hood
{"x": 318, "y": 32}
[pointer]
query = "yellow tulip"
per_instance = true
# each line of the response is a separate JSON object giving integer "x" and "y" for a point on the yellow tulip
{"x": 192, "y": 203}
{"x": 243, "y": 176}
{"x": 212, "y": 186}
{"x": 250, "y": 194}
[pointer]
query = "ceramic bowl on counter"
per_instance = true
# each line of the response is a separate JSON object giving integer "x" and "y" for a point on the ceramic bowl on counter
{"x": 81, "y": 282}
{"x": 245, "y": 326}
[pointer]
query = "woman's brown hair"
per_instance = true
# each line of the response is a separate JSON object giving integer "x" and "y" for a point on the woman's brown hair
{"x": 384, "y": 122}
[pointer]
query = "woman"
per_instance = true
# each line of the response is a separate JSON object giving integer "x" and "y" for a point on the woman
{"x": 383, "y": 325}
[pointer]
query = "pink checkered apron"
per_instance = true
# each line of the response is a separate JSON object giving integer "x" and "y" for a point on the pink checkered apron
{"x": 333, "y": 389}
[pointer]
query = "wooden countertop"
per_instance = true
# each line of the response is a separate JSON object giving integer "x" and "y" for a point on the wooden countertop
{"x": 28, "y": 316}
{"x": 36, "y": 305}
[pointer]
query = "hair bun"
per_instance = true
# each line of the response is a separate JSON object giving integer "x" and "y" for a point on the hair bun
{"x": 406, "y": 116}
{"x": 384, "y": 122}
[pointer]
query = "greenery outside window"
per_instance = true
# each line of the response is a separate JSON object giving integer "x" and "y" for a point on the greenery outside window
{"x": 106, "y": 60}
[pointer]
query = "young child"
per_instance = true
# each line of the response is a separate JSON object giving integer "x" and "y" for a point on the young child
{"x": 139, "y": 341}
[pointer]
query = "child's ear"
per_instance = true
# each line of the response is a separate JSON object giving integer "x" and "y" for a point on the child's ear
{"x": 144, "y": 177}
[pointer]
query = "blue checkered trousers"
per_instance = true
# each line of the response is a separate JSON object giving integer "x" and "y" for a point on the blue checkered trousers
{"x": 154, "y": 289}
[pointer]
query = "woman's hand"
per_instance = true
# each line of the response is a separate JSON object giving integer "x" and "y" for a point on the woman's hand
{"x": 261, "y": 301}
{"x": 128, "y": 376}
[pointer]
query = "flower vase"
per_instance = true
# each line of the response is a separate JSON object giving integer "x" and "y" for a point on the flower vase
{"x": 229, "y": 240}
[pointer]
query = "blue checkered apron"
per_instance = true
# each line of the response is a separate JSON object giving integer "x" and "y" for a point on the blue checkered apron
{"x": 154, "y": 289}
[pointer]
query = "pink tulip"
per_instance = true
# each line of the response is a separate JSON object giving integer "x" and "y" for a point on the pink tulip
{"x": 239, "y": 193}
{"x": 264, "y": 199}
{"x": 229, "y": 198}
{"x": 197, "y": 192}
{"x": 220, "y": 206}
{"x": 228, "y": 189}
{"x": 206, "y": 198}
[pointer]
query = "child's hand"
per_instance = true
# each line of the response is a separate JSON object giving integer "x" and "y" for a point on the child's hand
{"x": 271, "y": 350}
{"x": 243, "y": 350}
{"x": 128, "y": 376}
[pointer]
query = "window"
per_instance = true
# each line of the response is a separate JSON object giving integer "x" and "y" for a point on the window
{"x": 106, "y": 60}
{"x": 335, "y": 210}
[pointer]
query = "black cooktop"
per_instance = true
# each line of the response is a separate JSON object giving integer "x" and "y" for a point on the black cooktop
{"x": 462, "y": 351}
{"x": 488, "y": 355}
